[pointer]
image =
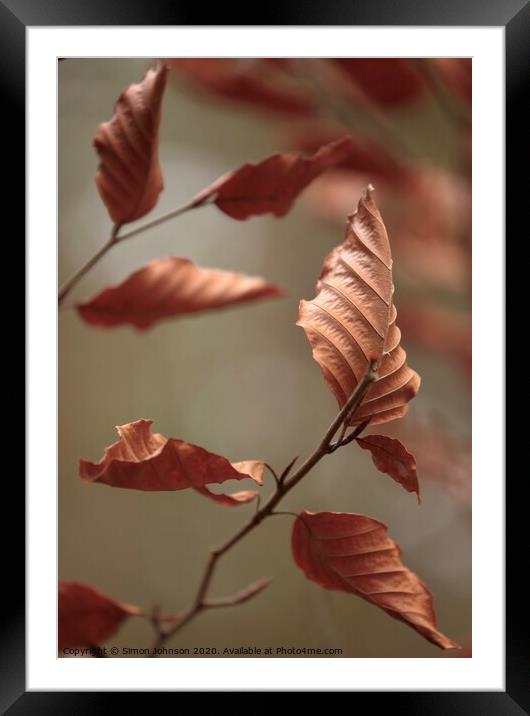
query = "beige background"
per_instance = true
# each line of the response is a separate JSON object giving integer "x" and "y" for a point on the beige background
{"x": 240, "y": 382}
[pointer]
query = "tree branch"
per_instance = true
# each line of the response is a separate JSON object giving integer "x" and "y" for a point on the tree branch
{"x": 200, "y": 602}
{"x": 68, "y": 286}
{"x": 115, "y": 238}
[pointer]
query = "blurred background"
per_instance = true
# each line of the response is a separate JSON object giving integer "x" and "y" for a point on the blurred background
{"x": 241, "y": 382}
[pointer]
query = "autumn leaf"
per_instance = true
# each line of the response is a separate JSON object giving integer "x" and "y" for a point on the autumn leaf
{"x": 141, "y": 460}
{"x": 391, "y": 457}
{"x": 388, "y": 82}
{"x": 364, "y": 157}
{"x": 129, "y": 178}
{"x": 263, "y": 84}
{"x": 428, "y": 216}
{"x": 87, "y": 617}
{"x": 352, "y": 320}
{"x": 353, "y": 553}
{"x": 439, "y": 329}
{"x": 171, "y": 287}
{"x": 443, "y": 455}
{"x": 457, "y": 73}
{"x": 271, "y": 186}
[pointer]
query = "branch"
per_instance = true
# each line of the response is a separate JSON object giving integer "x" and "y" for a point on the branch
{"x": 68, "y": 286}
{"x": 239, "y": 597}
{"x": 345, "y": 439}
{"x": 115, "y": 238}
{"x": 200, "y": 602}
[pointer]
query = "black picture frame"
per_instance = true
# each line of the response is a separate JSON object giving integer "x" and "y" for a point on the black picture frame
{"x": 514, "y": 15}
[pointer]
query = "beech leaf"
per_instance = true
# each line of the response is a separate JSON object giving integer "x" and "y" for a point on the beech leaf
{"x": 386, "y": 81}
{"x": 248, "y": 81}
{"x": 87, "y": 617}
{"x": 364, "y": 157}
{"x": 129, "y": 178}
{"x": 457, "y": 73}
{"x": 141, "y": 460}
{"x": 391, "y": 457}
{"x": 352, "y": 320}
{"x": 272, "y": 186}
{"x": 171, "y": 287}
{"x": 354, "y": 554}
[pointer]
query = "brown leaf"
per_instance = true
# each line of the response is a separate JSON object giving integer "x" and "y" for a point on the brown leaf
{"x": 272, "y": 186}
{"x": 439, "y": 329}
{"x": 141, "y": 460}
{"x": 171, "y": 287}
{"x": 129, "y": 178}
{"x": 428, "y": 217}
{"x": 386, "y": 81}
{"x": 263, "y": 84}
{"x": 353, "y": 553}
{"x": 457, "y": 73}
{"x": 352, "y": 320}
{"x": 390, "y": 457}
{"x": 364, "y": 157}
{"x": 442, "y": 455}
{"x": 87, "y": 617}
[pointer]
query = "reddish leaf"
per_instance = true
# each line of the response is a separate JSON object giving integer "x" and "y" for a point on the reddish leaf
{"x": 353, "y": 553}
{"x": 330, "y": 198}
{"x": 390, "y": 457}
{"x": 272, "y": 186}
{"x": 432, "y": 229}
{"x": 260, "y": 83}
{"x": 171, "y": 287}
{"x": 365, "y": 157}
{"x": 87, "y": 617}
{"x": 466, "y": 652}
{"x": 440, "y": 330}
{"x": 457, "y": 73}
{"x": 352, "y": 320}
{"x": 142, "y": 460}
{"x": 442, "y": 455}
{"x": 386, "y": 81}
{"x": 428, "y": 218}
{"x": 129, "y": 178}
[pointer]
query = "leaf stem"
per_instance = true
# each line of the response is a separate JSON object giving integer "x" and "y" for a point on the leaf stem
{"x": 200, "y": 602}
{"x": 273, "y": 473}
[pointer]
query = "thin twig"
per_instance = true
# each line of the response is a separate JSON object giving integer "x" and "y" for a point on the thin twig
{"x": 258, "y": 502}
{"x": 283, "y": 512}
{"x": 68, "y": 286}
{"x": 287, "y": 470}
{"x": 352, "y": 436}
{"x": 193, "y": 204}
{"x": 116, "y": 238}
{"x": 200, "y": 602}
{"x": 273, "y": 473}
{"x": 239, "y": 597}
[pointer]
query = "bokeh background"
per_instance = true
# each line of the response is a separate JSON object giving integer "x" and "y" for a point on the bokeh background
{"x": 241, "y": 381}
